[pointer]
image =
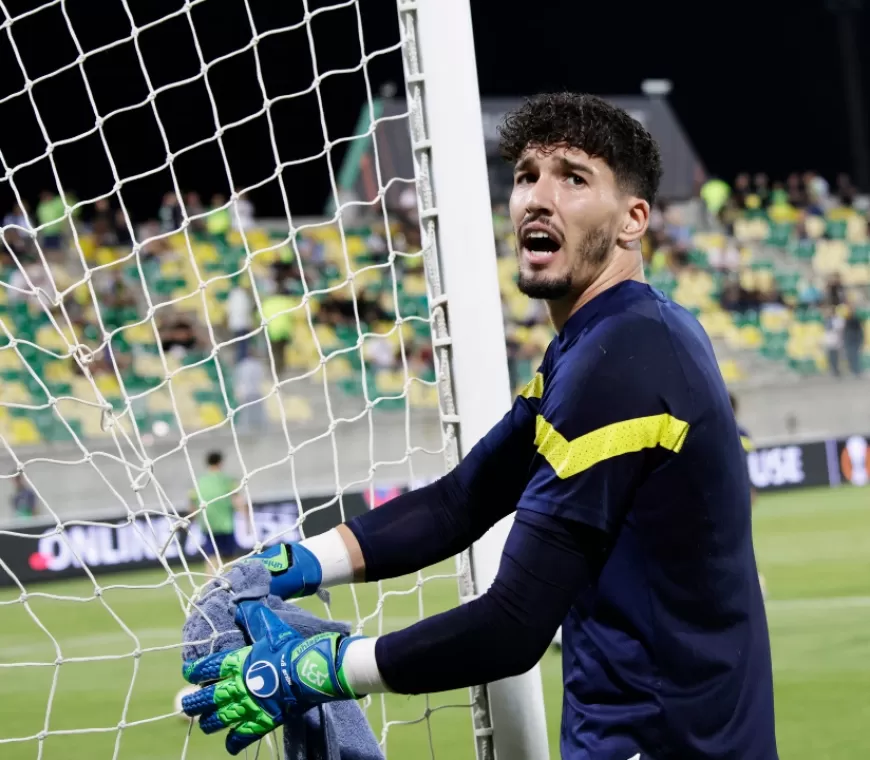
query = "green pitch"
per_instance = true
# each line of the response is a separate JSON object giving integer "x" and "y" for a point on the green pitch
{"x": 813, "y": 547}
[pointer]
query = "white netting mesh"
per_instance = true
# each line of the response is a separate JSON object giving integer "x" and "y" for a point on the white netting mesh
{"x": 127, "y": 353}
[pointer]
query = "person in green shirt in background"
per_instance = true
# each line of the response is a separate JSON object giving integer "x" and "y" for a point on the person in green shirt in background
{"x": 50, "y": 213}
{"x": 217, "y": 520}
{"x": 218, "y": 221}
{"x": 279, "y": 325}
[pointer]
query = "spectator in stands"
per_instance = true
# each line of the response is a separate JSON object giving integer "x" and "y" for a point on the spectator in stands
{"x": 103, "y": 223}
{"x": 818, "y": 193}
{"x": 240, "y": 317}
{"x": 734, "y": 297}
{"x": 242, "y": 211}
{"x": 193, "y": 208}
{"x": 715, "y": 193}
{"x": 809, "y": 294}
{"x": 23, "y": 498}
{"x": 742, "y": 190}
{"x": 846, "y": 191}
{"x": 725, "y": 258}
{"x": 279, "y": 325}
{"x": 762, "y": 189}
{"x": 18, "y": 240}
{"x": 249, "y": 376}
{"x": 832, "y": 339}
{"x": 218, "y": 222}
{"x": 50, "y": 216}
{"x": 178, "y": 336}
{"x": 169, "y": 214}
{"x": 797, "y": 196}
{"x": 835, "y": 292}
{"x": 853, "y": 340}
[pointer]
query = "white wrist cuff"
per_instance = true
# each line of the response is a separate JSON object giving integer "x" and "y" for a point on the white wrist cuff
{"x": 331, "y": 552}
{"x": 361, "y": 668}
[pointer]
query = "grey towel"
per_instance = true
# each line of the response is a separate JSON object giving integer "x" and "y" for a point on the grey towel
{"x": 335, "y": 731}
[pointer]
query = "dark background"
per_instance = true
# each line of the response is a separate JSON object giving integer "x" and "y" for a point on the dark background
{"x": 757, "y": 85}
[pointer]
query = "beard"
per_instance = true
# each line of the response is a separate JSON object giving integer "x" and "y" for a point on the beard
{"x": 589, "y": 256}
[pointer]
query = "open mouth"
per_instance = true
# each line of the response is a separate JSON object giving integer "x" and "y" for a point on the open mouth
{"x": 540, "y": 245}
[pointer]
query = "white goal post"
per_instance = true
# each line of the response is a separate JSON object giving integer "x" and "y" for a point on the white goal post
{"x": 105, "y": 424}
{"x": 461, "y": 209}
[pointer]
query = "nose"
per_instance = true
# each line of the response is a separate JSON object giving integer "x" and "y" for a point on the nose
{"x": 541, "y": 196}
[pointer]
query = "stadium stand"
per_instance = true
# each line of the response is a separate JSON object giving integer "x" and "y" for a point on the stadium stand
{"x": 779, "y": 278}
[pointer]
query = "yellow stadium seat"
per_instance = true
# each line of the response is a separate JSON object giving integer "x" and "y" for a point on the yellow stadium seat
{"x": 775, "y": 320}
{"x": 108, "y": 384}
{"x": 297, "y": 409}
{"x": 159, "y": 400}
{"x": 422, "y": 395}
{"x": 23, "y": 432}
{"x": 14, "y": 393}
{"x": 87, "y": 246}
{"x": 57, "y": 372}
{"x": 731, "y": 372}
{"x": 191, "y": 379}
{"x": 258, "y": 240}
{"x": 10, "y": 360}
{"x": 415, "y": 285}
{"x": 750, "y": 337}
{"x": 49, "y": 338}
{"x": 338, "y": 368}
{"x": 210, "y": 415}
{"x": 148, "y": 365}
{"x": 390, "y": 383}
{"x": 815, "y": 227}
{"x": 856, "y": 274}
{"x": 356, "y": 246}
{"x": 716, "y": 322}
{"x": 205, "y": 253}
{"x": 141, "y": 334}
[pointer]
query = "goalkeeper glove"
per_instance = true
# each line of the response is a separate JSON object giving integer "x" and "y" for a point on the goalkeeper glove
{"x": 252, "y": 690}
{"x": 295, "y": 571}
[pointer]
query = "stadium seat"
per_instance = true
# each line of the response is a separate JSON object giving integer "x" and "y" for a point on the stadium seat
{"x": 210, "y": 414}
{"x": 23, "y": 432}
{"x": 389, "y": 383}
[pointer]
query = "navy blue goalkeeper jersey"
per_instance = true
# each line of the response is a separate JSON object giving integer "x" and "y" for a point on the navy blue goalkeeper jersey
{"x": 667, "y": 656}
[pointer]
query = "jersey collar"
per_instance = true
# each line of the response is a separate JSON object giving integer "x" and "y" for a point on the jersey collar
{"x": 605, "y": 301}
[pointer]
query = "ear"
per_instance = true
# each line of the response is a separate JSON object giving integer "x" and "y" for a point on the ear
{"x": 634, "y": 222}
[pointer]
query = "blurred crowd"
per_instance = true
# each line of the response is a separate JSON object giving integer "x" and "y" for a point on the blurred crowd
{"x": 778, "y": 267}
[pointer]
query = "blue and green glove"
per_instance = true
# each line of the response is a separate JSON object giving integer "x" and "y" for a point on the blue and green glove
{"x": 295, "y": 571}
{"x": 252, "y": 690}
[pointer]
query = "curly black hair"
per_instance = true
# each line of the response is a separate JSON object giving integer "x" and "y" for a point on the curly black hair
{"x": 590, "y": 124}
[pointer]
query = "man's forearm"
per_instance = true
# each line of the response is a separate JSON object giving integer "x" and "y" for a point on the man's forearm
{"x": 424, "y": 526}
{"x": 547, "y": 562}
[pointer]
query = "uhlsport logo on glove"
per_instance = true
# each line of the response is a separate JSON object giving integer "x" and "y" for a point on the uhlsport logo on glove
{"x": 262, "y": 679}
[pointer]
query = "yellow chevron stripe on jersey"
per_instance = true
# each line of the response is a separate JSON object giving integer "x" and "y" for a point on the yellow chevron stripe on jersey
{"x": 569, "y": 458}
{"x": 534, "y": 388}
{"x": 746, "y": 442}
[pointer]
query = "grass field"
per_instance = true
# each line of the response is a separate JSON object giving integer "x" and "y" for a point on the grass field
{"x": 813, "y": 547}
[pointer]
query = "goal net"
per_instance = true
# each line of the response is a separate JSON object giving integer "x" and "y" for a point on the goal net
{"x": 170, "y": 287}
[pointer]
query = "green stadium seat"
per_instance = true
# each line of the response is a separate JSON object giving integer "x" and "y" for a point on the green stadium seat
{"x": 836, "y": 229}
{"x": 803, "y": 249}
{"x": 859, "y": 253}
{"x": 780, "y": 233}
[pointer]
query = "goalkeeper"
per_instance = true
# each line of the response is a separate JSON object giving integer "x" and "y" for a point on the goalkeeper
{"x": 622, "y": 464}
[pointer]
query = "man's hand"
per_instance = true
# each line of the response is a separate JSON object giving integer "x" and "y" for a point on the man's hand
{"x": 252, "y": 690}
{"x": 295, "y": 570}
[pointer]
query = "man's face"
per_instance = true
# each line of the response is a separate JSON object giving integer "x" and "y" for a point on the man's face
{"x": 565, "y": 208}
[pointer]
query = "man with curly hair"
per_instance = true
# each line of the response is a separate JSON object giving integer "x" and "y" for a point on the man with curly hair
{"x": 622, "y": 464}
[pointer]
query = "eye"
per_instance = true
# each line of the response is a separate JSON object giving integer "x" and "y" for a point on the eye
{"x": 576, "y": 179}
{"x": 523, "y": 178}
